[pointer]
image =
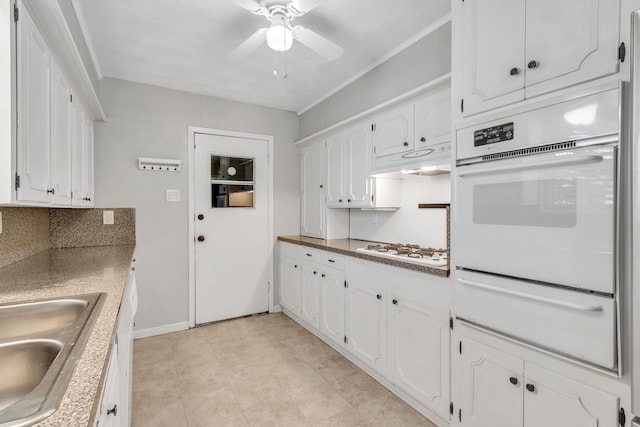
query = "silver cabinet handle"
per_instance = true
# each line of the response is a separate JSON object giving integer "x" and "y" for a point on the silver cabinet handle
{"x": 538, "y": 165}
{"x": 550, "y": 301}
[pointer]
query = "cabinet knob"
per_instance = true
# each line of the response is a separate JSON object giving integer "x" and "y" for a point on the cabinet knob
{"x": 531, "y": 388}
{"x": 200, "y": 238}
{"x": 423, "y": 139}
{"x": 321, "y": 186}
{"x": 322, "y": 274}
{"x": 200, "y": 217}
{"x": 113, "y": 411}
{"x": 339, "y": 200}
{"x": 533, "y": 64}
{"x": 52, "y": 191}
{"x": 513, "y": 380}
{"x": 295, "y": 266}
{"x": 308, "y": 254}
{"x": 332, "y": 260}
{"x": 315, "y": 272}
{"x": 406, "y": 144}
{"x": 515, "y": 71}
{"x": 348, "y": 200}
{"x": 379, "y": 296}
{"x": 395, "y": 302}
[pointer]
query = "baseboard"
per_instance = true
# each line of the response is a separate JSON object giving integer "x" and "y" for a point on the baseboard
{"x": 277, "y": 308}
{"x": 160, "y": 330}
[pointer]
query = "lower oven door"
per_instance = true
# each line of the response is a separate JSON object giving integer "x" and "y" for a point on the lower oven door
{"x": 576, "y": 324}
{"x": 546, "y": 217}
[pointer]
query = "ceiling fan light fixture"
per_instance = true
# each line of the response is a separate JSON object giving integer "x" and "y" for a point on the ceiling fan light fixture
{"x": 279, "y": 35}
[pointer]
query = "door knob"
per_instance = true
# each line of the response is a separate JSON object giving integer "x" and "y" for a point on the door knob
{"x": 513, "y": 380}
{"x": 533, "y": 64}
{"x": 200, "y": 217}
{"x": 531, "y": 388}
{"x": 200, "y": 238}
{"x": 515, "y": 71}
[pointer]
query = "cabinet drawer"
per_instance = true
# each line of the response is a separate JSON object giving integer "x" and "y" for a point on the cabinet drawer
{"x": 332, "y": 260}
{"x": 553, "y": 318}
{"x": 290, "y": 250}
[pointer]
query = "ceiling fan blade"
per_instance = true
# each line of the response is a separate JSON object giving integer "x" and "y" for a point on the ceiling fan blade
{"x": 314, "y": 41}
{"x": 251, "y": 6}
{"x": 305, "y": 6}
{"x": 249, "y": 45}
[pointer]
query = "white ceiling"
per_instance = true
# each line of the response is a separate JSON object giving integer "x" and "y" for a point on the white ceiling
{"x": 186, "y": 45}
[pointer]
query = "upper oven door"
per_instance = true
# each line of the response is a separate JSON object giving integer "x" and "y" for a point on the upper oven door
{"x": 547, "y": 217}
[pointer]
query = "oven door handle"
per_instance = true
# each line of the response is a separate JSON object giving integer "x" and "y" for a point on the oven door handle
{"x": 579, "y": 160}
{"x": 551, "y": 301}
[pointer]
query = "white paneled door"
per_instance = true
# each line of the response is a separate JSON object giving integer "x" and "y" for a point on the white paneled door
{"x": 232, "y": 251}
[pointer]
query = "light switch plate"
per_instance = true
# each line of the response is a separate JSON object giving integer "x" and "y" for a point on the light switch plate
{"x": 107, "y": 217}
{"x": 173, "y": 196}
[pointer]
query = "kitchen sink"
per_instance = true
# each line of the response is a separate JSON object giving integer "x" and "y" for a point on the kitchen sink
{"x": 40, "y": 344}
{"x": 42, "y": 317}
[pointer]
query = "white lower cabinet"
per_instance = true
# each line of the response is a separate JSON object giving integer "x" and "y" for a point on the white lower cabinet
{"x": 110, "y": 401}
{"x": 310, "y": 293}
{"x": 289, "y": 283}
{"x": 367, "y": 323}
{"x": 501, "y": 390}
{"x": 332, "y": 300}
{"x": 419, "y": 349}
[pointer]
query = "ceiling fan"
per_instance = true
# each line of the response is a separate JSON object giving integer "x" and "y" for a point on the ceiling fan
{"x": 280, "y": 34}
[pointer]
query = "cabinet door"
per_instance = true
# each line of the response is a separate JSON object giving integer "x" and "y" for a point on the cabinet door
{"x": 433, "y": 119}
{"x": 34, "y": 113}
{"x": 552, "y": 400}
{"x": 61, "y": 135}
{"x": 79, "y": 156}
{"x": 494, "y": 40}
{"x": 419, "y": 351}
{"x": 310, "y": 294}
{"x": 358, "y": 154}
{"x": 332, "y": 296}
{"x": 289, "y": 283}
{"x": 571, "y": 41}
{"x": 491, "y": 387}
{"x": 311, "y": 221}
{"x": 335, "y": 155}
{"x": 109, "y": 402}
{"x": 394, "y": 132}
{"x": 89, "y": 180}
{"x": 367, "y": 324}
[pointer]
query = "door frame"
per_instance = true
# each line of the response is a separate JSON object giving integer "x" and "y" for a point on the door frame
{"x": 192, "y": 131}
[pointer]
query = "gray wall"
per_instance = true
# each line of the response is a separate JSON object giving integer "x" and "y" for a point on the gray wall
{"x": 150, "y": 121}
{"x": 74, "y": 26}
{"x": 425, "y": 60}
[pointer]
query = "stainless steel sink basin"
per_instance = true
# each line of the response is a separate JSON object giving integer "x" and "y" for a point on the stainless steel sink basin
{"x": 37, "y": 318}
{"x": 24, "y": 365}
{"x": 40, "y": 344}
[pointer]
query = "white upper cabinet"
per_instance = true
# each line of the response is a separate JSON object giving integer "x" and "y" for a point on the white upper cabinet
{"x": 393, "y": 131}
{"x": 336, "y": 170}
{"x": 61, "y": 135}
{"x": 433, "y": 119}
{"x": 510, "y": 55}
{"x": 34, "y": 113}
{"x": 80, "y": 154}
{"x": 312, "y": 205}
{"x": 358, "y": 154}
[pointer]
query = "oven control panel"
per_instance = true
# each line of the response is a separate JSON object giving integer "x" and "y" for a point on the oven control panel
{"x": 503, "y": 132}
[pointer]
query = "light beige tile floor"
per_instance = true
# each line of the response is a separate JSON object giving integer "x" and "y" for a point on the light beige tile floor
{"x": 263, "y": 370}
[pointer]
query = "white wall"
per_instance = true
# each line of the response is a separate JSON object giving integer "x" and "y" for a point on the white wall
{"x": 418, "y": 64}
{"x": 426, "y": 227}
{"x": 150, "y": 121}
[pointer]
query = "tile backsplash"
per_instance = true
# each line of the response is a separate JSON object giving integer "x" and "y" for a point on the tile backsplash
{"x": 28, "y": 231}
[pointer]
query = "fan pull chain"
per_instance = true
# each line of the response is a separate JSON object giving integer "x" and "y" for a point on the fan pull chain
{"x": 279, "y": 71}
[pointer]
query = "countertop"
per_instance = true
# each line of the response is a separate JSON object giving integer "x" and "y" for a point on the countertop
{"x": 65, "y": 272}
{"x": 348, "y": 247}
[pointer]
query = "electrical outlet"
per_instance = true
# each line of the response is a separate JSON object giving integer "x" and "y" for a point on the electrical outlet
{"x": 107, "y": 217}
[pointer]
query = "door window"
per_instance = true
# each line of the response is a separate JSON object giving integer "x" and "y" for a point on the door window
{"x": 232, "y": 184}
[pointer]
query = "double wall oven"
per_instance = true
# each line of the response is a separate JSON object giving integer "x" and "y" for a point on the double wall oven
{"x": 536, "y": 209}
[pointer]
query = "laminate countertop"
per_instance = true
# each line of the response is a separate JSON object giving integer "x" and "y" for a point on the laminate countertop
{"x": 349, "y": 247}
{"x": 67, "y": 272}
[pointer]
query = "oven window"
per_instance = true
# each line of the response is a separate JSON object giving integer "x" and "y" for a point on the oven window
{"x": 232, "y": 184}
{"x": 540, "y": 203}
